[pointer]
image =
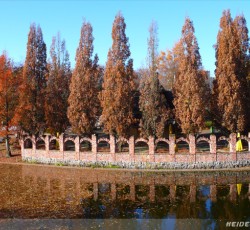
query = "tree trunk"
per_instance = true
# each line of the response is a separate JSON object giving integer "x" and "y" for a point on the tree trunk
{"x": 7, "y": 144}
{"x": 120, "y": 143}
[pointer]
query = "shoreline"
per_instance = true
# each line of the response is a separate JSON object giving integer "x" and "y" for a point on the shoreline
{"x": 38, "y": 164}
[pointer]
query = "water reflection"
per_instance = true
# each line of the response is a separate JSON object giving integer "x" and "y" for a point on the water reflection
{"x": 54, "y": 192}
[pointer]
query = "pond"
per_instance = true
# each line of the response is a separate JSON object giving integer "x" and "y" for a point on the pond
{"x": 101, "y": 198}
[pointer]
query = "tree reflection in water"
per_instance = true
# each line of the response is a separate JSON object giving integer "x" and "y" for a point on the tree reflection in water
{"x": 58, "y": 192}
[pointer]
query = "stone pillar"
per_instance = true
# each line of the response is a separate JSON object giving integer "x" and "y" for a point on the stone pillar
{"x": 47, "y": 146}
{"x": 47, "y": 143}
{"x": 152, "y": 192}
{"x": 77, "y": 148}
{"x": 213, "y": 193}
{"x": 192, "y": 193}
{"x": 95, "y": 191}
{"x": 112, "y": 147}
{"x": 233, "y": 192}
{"x": 33, "y": 140}
{"x": 94, "y": 144}
{"x": 249, "y": 142}
{"x": 21, "y": 142}
{"x": 151, "y": 148}
{"x": 132, "y": 191}
{"x": 113, "y": 191}
{"x": 172, "y": 192}
{"x": 171, "y": 143}
{"x": 192, "y": 146}
{"x": 61, "y": 143}
{"x": 212, "y": 145}
{"x": 131, "y": 144}
{"x": 232, "y": 144}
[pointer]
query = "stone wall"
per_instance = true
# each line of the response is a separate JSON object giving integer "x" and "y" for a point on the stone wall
{"x": 29, "y": 149}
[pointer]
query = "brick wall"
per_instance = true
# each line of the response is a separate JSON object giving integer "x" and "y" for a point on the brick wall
{"x": 28, "y": 149}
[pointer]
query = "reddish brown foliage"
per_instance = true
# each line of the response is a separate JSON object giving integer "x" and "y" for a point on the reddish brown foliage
{"x": 231, "y": 73}
{"x": 117, "y": 94}
{"x": 84, "y": 105}
{"x": 30, "y": 112}
{"x": 190, "y": 90}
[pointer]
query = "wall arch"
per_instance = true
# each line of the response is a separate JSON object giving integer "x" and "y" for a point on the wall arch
{"x": 40, "y": 144}
{"x": 202, "y": 145}
{"x": 162, "y": 145}
{"x": 103, "y": 145}
{"x": 53, "y": 143}
{"x": 69, "y": 145}
{"x": 28, "y": 143}
{"x": 141, "y": 146}
{"x": 222, "y": 145}
{"x": 182, "y": 145}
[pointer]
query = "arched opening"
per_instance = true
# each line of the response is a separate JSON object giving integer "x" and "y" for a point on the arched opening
{"x": 162, "y": 147}
{"x": 182, "y": 192}
{"x": 162, "y": 192}
{"x": 222, "y": 146}
{"x": 122, "y": 191}
{"x": 69, "y": 145}
{"x": 142, "y": 193}
{"x": 202, "y": 147}
{"x": 222, "y": 191}
{"x": 103, "y": 146}
{"x": 244, "y": 145}
{"x": 182, "y": 147}
{"x": 85, "y": 146}
{"x": 141, "y": 147}
{"x": 122, "y": 147}
{"x": 40, "y": 144}
{"x": 54, "y": 145}
{"x": 28, "y": 144}
{"x": 104, "y": 192}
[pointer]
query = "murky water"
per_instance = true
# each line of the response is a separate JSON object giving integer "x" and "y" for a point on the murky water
{"x": 28, "y": 192}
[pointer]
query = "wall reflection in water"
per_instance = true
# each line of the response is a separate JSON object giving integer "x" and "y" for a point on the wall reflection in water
{"x": 55, "y": 192}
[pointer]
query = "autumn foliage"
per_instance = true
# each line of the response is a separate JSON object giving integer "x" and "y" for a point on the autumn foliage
{"x": 49, "y": 96}
{"x": 8, "y": 98}
{"x": 231, "y": 57}
{"x": 57, "y": 90}
{"x": 84, "y": 104}
{"x": 152, "y": 103}
{"x": 31, "y": 112}
{"x": 117, "y": 94}
{"x": 190, "y": 92}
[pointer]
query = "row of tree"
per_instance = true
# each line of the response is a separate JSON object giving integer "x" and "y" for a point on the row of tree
{"x": 47, "y": 95}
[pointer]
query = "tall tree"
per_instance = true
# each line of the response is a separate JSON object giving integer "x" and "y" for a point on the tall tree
{"x": 32, "y": 91}
{"x": 57, "y": 91}
{"x": 8, "y": 98}
{"x": 167, "y": 67}
{"x": 190, "y": 92}
{"x": 230, "y": 76}
{"x": 152, "y": 102}
{"x": 117, "y": 94}
{"x": 84, "y": 105}
{"x": 244, "y": 62}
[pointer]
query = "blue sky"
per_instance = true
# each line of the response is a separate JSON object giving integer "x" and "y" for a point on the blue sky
{"x": 66, "y": 17}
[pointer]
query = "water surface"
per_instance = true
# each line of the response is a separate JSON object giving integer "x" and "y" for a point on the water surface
{"x": 170, "y": 199}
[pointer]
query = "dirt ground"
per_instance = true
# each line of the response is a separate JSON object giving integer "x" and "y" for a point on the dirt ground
{"x": 16, "y": 154}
